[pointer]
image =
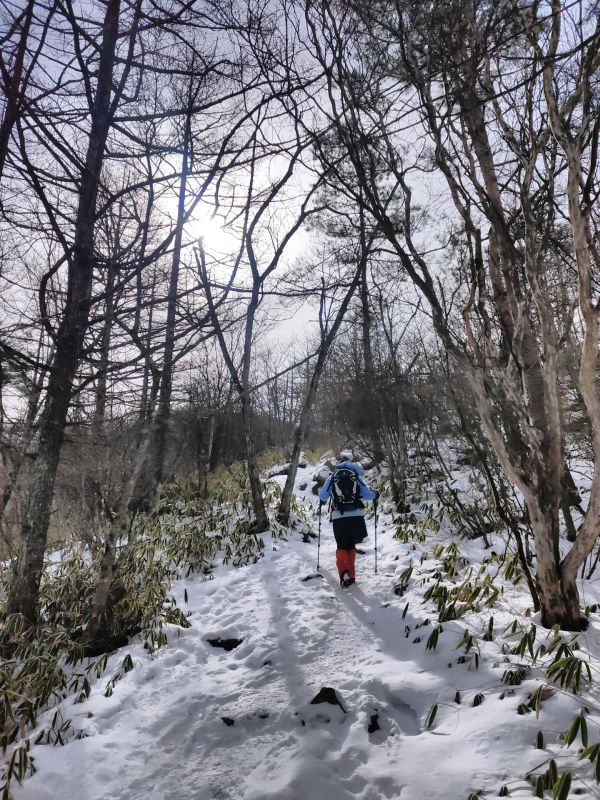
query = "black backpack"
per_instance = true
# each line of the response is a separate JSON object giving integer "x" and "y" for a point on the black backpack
{"x": 345, "y": 491}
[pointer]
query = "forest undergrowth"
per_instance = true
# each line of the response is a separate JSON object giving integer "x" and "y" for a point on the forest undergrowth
{"x": 42, "y": 667}
{"x": 466, "y": 585}
{"x": 468, "y": 579}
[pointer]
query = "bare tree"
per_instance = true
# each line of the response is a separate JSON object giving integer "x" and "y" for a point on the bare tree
{"x": 253, "y": 237}
{"x": 37, "y": 499}
{"x": 488, "y": 137}
{"x": 21, "y": 47}
{"x": 328, "y": 335}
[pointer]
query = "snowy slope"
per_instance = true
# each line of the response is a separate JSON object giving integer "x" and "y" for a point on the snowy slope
{"x": 162, "y": 734}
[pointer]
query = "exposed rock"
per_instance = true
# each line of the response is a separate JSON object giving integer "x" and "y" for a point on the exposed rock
{"x": 278, "y": 469}
{"x": 104, "y": 644}
{"x": 373, "y": 723}
{"x": 284, "y": 468}
{"x": 545, "y": 692}
{"x": 226, "y": 644}
{"x": 327, "y": 695}
{"x": 228, "y": 721}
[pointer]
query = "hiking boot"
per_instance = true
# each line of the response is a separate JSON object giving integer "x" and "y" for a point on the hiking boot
{"x": 345, "y": 579}
{"x": 350, "y": 581}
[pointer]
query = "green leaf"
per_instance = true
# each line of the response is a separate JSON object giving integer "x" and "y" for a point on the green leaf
{"x": 562, "y": 787}
{"x": 432, "y": 641}
{"x": 552, "y": 774}
{"x": 503, "y": 791}
{"x": 591, "y": 752}
{"x": 488, "y": 636}
{"x": 571, "y": 734}
{"x": 478, "y": 699}
{"x": 539, "y": 741}
{"x": 568, "y": 671}
{"x": 431, "y": 716}
{"x": 584, "y": 732}
{"x": 535, "y": 702}
{"x": 539, "y": 787}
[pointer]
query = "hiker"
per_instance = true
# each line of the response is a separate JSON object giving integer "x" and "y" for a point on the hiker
{"x": 346, "y": 489}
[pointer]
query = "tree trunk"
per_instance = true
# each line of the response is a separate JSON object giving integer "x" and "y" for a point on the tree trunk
{"x": 9, "y": 513}
{"x": 102, "y": 381}
{"x": 557, "y": 591}
{"x": 205, "y": 442}
{"x": 396, "y": 472}
{"x": 163, "y": 413}
{"x": 261, "y": 520}
{"x": 147, "y": 397}
{"x": 369, "y": 376}
{"x": 35, "y": 512}
{"x": 283, "y": 512}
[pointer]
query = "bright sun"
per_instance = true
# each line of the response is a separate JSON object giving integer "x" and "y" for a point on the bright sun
{"x": 214, "y": 234}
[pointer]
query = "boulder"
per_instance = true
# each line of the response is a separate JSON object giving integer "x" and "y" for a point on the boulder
{"x": 284, "y": 468}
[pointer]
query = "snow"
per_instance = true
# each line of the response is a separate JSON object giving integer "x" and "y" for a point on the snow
{"x": 161, "y": 734}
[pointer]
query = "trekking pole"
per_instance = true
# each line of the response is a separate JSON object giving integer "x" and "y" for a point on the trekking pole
{"x": 319, "y": 538}
{"x": 375, "y": 507}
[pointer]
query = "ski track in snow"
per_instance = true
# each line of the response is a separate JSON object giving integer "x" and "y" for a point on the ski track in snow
{"x": 161, "y": 734}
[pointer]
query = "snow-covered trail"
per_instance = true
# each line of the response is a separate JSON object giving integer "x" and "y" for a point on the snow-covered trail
{"x": 162, "y": 734}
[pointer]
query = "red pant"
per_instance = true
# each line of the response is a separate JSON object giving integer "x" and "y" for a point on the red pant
{"x": 345, "y": 561}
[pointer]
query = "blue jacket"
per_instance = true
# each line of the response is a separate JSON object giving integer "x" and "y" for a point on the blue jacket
{"x": 365, "y": 492}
